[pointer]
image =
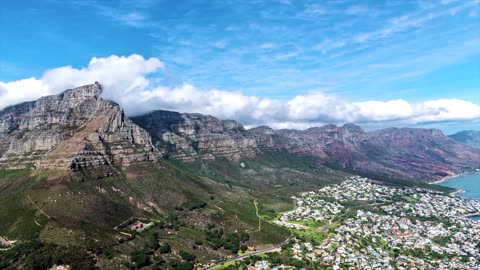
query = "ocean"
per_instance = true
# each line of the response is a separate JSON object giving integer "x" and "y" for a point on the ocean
{"x": 470, "y": 183}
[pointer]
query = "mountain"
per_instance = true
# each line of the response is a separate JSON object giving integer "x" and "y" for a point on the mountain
{"x": 78, "y": 129}
{"x": 76, "y": 174}
{"x": 468, "y": 137}
{"x": 74, "y": 129}
{"x": 415, "y": 154}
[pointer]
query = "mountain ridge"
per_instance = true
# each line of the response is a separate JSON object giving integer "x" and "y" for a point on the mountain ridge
{"x": 78, "y": 129}
{"x": 468, "y": 137}
{"x": 418, "y": 154}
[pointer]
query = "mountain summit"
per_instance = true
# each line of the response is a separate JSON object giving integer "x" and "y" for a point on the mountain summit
{"x": 74, "y": 129}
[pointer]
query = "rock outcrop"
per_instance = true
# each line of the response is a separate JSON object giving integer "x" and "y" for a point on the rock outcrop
{"x": 74, "y": 129}
{"x": 419, "y": 154}
{"x": 190, "y": 136}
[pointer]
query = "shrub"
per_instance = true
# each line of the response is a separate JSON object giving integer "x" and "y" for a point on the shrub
{"x": 187, "y": 256}
{"x": 165, "y": 249}
{"x": 139, "y": 259}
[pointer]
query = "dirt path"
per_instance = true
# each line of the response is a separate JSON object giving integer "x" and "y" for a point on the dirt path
{"x": 259, "y": 218}
{"x": 219, "y": 208}
{"x": 36, "y": 222}
{"x": 34, "y": 204}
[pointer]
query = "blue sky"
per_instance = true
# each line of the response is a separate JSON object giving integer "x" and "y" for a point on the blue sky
{"x": 356, "y": 51}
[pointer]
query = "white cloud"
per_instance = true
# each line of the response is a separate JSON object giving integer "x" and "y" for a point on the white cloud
{"x": 384, "y": 111}
{"x": 131, "y": 82}
{"x": 448, "y": 110}
{"x": 120, "y": 75}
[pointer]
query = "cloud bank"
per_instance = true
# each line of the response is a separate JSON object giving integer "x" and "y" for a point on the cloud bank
{"x": 135, "y": 83}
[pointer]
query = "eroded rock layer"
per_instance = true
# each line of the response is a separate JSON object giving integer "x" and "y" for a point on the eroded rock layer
{"x": 419, "y": 154}
{"x": 71, "y": 130}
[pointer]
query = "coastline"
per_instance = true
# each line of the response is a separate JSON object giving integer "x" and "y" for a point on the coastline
{"x": 444, "y": 179}
{"x": 457, "y": 192}
{"x": 472, "y": 215}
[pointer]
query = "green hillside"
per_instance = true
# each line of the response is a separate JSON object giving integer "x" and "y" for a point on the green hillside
{"x": 192, "y": 212}
{"x": 84, "y": 210}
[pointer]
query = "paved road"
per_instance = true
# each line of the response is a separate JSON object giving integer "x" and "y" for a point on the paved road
{"x": 241, "y": 257}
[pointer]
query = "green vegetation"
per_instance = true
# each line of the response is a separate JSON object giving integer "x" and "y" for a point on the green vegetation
{"x": 441, "y": 240}
{"x": 39, "y": 255}
{"x": 409, "y": 199}
{"x": 164, "y": 249}
{"x": 203, "y": 211}
{"x": 83, "y": 209}
{"x": 231, "y": 241}
{"x": 139, "y": 259}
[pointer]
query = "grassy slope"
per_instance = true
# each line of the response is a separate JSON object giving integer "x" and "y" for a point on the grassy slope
{"x": 85, "y": 212}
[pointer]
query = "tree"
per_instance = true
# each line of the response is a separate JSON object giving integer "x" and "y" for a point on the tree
{"x": 182, "y": 265}
{"x": 139, "y": 259}
{"x": 165, "y": 249}
{"x": 187, "y": 256}
{"x": 152, "y": 241}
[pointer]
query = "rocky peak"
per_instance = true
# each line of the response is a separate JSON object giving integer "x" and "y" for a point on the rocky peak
{"x": 353, "y": 128}
{"x": 75, "y": 128}
{"x": 262, "y": 130}
{"x": 407, "y": 136}
{"x": 70, "y": 98}
{"x": 83, "y": 92}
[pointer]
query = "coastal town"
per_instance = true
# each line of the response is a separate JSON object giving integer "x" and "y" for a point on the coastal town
{"x": 360, "y": 224}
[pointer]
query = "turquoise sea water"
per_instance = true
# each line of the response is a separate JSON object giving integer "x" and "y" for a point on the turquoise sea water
{"x": 470, "y": 183}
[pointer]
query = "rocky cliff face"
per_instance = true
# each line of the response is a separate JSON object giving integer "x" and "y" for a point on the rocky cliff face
{"x": 421, "y": 154}
{"x": 70, "y": 130}
{"x": 468, "y": 137}
{"x": 79, "y": 129}
{"x": 190, "y": 136}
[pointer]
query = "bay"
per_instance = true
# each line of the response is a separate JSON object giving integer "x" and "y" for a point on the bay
{"x": 470, "y": 183}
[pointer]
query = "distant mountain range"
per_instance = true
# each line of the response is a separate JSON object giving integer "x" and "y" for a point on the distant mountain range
{"x": 78, "y": 129}
{"x": 468, "y": 137}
